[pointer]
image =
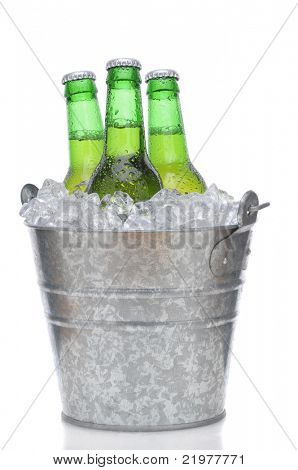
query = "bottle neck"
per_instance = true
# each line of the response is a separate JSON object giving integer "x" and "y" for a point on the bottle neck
{"x": 167, "y": 142}
{"x": 83, "y": 114}
{"x": 124, "y": 114}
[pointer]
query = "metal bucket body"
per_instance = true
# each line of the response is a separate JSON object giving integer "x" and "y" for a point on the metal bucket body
{"x": 141, "y": 322}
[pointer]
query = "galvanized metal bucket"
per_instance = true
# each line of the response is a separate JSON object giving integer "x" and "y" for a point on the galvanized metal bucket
{"x": 141, "y": 323}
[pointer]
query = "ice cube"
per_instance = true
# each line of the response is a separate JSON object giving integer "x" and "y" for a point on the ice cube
{"x": 94, "y": 199}
{"x": 141, "y": 217}
{"x": 119, "y": 204}
{"x": 165, "y": 196}
{"x": 51, "y": 189}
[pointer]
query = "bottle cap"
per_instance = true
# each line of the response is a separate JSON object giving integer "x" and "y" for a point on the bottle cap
{"x": 123, "y": 63}
{"x": 78, "y": 76}
{"x": 161, "y": 73}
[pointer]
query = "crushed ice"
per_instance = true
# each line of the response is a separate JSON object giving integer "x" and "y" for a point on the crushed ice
{"x": 166, "y": 210}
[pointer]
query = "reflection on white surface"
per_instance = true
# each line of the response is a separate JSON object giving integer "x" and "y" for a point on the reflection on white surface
{"x": 205, "y": 437}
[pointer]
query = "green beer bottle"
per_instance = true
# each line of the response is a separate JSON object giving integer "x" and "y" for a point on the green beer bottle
{"x": 85, "y": 129}
{"x": 125, "y": 165}
{"x": 167, "y": 143}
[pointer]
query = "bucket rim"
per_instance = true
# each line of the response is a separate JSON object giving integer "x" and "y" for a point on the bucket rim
{"x": 82, "y": 230}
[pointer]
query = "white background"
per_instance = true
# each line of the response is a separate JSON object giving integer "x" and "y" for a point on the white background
{"x": 214, "y": 46}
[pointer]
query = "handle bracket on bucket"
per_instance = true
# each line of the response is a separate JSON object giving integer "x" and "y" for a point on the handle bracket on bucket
{"x": 230, "y": 254}
{"x": 248, "y": 208}
{"x": 28, "y": 192}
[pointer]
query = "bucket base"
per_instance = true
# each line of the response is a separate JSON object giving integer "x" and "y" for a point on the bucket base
{"x": 124, "y": 428}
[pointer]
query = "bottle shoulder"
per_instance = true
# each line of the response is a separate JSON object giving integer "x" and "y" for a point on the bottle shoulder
{"x": 127, "y": 173}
